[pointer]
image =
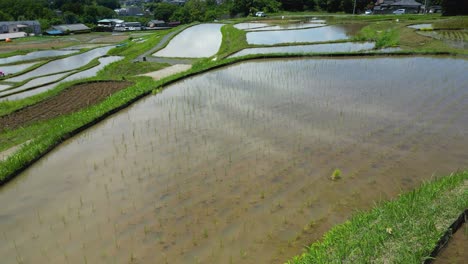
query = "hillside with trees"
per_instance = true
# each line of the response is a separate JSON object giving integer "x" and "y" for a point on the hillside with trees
{"x": 53, "y": 12}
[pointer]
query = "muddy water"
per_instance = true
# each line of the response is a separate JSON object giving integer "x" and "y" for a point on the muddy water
{"x": 333, "y": 47}
{"x": 65, "y": 64}
{"x": 456, "y": 249}
{"x": 319, "y": 34}
{"x": 232, "y": 166}
{"x": 195, "y": 42}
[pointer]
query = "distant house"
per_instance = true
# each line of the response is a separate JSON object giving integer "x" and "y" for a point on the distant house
{"x": 410, "y": 6}
{"x": 107, "y": 24}
{"x": 388, "y": 6}
{"x": 68, "y": 29}
{"x": 30, "y": 27}
{"x": 157, "y": 23}
{"x": 128, "y": 26}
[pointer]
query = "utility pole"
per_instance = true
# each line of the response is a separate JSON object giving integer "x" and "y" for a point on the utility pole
{"x": 354, "y": 8}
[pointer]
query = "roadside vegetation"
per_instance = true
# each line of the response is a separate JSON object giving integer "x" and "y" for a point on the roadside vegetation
{"x": 404, "y": 230}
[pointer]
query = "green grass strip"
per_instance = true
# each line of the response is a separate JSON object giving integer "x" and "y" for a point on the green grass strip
{"x": 404, "y": 230}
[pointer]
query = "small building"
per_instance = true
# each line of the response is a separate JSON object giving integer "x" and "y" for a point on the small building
{"x": 410, "y": 6}
{"x": 107, "y": 24}
{"x": 388, "y": 6}
{"x": 30, "y": 27}
{"x": 157, "y": 23}
{"x": 68, "y": 29}
{"x": 128, "y": 26}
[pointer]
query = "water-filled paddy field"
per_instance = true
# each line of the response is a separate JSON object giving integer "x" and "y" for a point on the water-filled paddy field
{"x": 23, "y": 91}
{"x": 329, "y": 47}
{"x": 197, "y": 41}
{"x": 318, "y": 34}
{"x": 234, "y": 165}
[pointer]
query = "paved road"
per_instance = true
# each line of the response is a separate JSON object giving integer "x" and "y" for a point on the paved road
{"x": 148, "y": 56}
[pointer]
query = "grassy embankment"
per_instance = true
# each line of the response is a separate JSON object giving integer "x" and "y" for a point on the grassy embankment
{"x": 233, "y": 40}
{"x": 404, "y": 230}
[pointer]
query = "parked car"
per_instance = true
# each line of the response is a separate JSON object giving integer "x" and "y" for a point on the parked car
{"x": 399, "y": 11}
{"x": 260, "y": 14}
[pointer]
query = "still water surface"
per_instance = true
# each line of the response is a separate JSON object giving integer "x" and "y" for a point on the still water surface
{"x": 65, "y": 64}
{"x": 103, "y": 62}
{"x": 233, "y": 165}
{"x": 36, "y": 55}
{"x": 194, "y": 42}
{"x": 319, "y": 34}
{"x": 332, "y": 47}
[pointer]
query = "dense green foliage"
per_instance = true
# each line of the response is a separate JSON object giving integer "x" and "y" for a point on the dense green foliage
{"x": 454, "y": 7}
{"x": 56, "y": 12}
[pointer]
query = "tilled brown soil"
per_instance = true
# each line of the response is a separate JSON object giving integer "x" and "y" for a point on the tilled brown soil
{"x": 68, "y": 101}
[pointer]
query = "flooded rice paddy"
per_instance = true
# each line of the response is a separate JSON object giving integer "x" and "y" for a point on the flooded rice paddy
{"x": 16, "y": 68}
{"x": 252, "y": 25}
{"x": 34, "y": 82}
{"x": 103, "y": 62}
{"x": 421, "y": 26}
{"x": 333, "y": 47}
{"x": 288, "y": 26}
{"x": 36, "y": 55}
{"x": 233, "y": 166}
{"x": 194, "y": 42}
{"x": 4, "y": 86}
{"x": 65, "y": 64}
{"x": 319, "y": 34}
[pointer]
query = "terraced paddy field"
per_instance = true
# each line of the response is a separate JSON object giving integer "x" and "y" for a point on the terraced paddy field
{"x": 234, "y": 165}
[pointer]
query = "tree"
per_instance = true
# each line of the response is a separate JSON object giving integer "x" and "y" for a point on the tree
{"x": 293, "y": 5}
{"x": 269, "y": 6}
{"x": 164, "y": 11}
{"x": 5, "y": 16}
{"x": 310, "y": 4}
{"x": 454, "y": 7}
{"x": 112, "y": 4}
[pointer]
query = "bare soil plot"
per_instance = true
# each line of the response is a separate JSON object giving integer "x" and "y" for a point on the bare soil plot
{"x": 69, "y": 101}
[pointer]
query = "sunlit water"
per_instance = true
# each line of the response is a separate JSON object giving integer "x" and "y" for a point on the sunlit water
{"x": 233, "y": 166}
{"x": 103, "y": 62}
{"x": 194, "y": 42}
{"x": 34, "y": 83}
{"x": 246, "y": 26}
{"x": 65, "y": 64}
{"x": 36, "y": 55}
{"x": 319, "y": 48}
{"x": 288, "y": 26}
{"x": 420, "y": 26}
{"x": 16, "y": 68}
{"x": 319, "y": 34}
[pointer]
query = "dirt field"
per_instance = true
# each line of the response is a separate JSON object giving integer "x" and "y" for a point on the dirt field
{"x": 68, "y": 101}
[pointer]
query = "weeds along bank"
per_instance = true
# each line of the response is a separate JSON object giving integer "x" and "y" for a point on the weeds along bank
{"x": 404, "y": 230}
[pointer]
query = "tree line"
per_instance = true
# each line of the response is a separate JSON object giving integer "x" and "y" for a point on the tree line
{"x": 53, "y": 12}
